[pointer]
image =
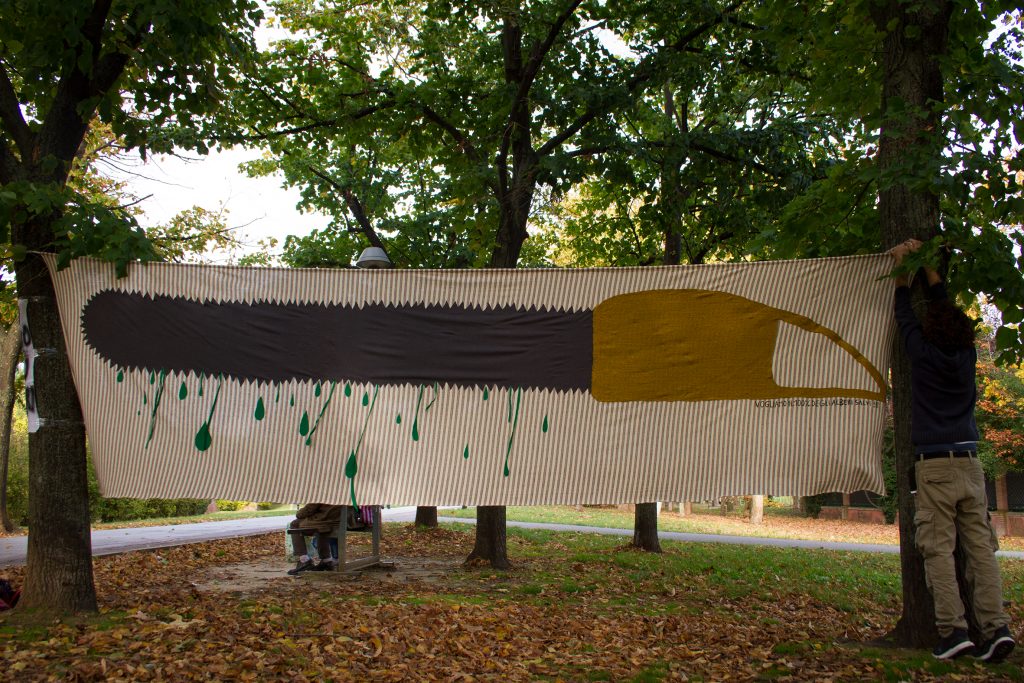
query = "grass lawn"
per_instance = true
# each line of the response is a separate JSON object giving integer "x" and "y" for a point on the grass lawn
{"x": 780, "y": 522}
{"x": 574, "y": 607}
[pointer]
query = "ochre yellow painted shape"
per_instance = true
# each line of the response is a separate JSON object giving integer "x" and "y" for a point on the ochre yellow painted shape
{"x": 699, "y": 345}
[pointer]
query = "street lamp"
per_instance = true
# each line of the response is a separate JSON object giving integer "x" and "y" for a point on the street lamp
{"x": 373, "y": 257}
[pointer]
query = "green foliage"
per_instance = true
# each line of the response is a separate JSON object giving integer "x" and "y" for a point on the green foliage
{"x": 231, "y": 505}
{"x": 148, "y": 71}
{"x": 811, "y": 505}
{"x": 1000, "y": 417}
{"x": 129, "y": 509}
{"x": 17, "y": 469}
{"x": 190, "y": 234}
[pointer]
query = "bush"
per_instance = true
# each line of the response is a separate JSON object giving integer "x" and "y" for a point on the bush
{"x": 127, "y": 509}
{"x": 231, "y": 505}
{"x": 17, "y": 470}
{"x": 811, "y": 505}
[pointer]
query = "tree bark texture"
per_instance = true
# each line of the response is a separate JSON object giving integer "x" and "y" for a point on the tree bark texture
{"x": 490, "y": 537}
{"x": 757, "y": 510}
{"x": 913, "y": 84}
{"x": 58, "y": 576}
{"x": 10, "y": 349}
{"x": 426, "y": 516}
{"x": 645, "y": 527}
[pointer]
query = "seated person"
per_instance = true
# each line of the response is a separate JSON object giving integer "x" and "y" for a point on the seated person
{"x": 319, "y": 519}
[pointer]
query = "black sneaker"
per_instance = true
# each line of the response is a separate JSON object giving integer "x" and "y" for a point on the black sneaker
{"x": 998, "y": 647}
{"x": 324, "y": 566}
{"x": 952, "y": 646}
{"x": 302, "y": 567}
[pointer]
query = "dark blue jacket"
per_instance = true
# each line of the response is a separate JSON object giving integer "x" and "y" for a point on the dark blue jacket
{"x": 943, "y": 384}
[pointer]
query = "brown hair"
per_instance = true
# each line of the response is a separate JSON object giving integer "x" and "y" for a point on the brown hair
{"x": 947, "y": 327}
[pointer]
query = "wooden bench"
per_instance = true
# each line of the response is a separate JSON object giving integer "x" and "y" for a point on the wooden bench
{"x": 341, "y": 534}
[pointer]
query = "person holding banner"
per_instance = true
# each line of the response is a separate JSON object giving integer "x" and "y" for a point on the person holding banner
{"x": 950, "y": 497}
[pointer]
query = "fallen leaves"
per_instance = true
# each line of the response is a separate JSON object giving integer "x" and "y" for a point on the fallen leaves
{"x": 571, "y": 610}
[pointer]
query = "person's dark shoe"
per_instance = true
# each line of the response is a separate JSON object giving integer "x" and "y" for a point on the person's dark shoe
{"x": 952, "y": 646}
{"x": 325, "y": 566}
{"x": 998, "y": 647}
{"x": 302, "y": 567}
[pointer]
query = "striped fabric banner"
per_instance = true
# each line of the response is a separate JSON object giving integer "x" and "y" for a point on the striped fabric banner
{"x": 481, "y": 387}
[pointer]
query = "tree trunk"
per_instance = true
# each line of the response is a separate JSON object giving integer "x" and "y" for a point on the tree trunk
{"x": 490, "y": 537}
{"x": 757, "y": 510}
{"x": 645, "y": 527}
{"x": 426, "y": 516}
{"x": 10, "y": 348}
{"x": 58, "y": 575}
{"x": 912, "y": 82}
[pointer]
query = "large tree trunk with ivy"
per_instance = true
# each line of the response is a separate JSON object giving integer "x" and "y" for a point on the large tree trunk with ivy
{"x": 58, "y": 574}
{"x": 10, "y": 348}
{"x": 911, "y": 138}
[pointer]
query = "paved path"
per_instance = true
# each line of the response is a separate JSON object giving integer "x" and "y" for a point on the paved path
{"x": 13, "y": 549}
{"x": 113, "y": 541}
{"x": 716, "y": 538}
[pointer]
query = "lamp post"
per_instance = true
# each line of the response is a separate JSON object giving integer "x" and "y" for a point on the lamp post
{"x": 373, "y": 258}
{"x": 376, "y": 258}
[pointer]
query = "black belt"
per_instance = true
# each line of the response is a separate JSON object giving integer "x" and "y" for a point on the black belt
{"x": 947, "y": 454}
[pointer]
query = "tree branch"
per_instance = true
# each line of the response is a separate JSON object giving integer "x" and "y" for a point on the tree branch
{"x": 10, "y": 114}
{"x": 643, "y": 73}
{"x": 529, "y": 74}
{"x": 354, "y": 206}
{"x": 10, "y": 169}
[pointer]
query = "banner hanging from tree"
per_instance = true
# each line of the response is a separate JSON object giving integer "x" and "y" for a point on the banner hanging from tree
{"x": 481, "y": 387}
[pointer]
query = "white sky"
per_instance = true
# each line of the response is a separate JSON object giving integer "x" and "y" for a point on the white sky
{"x": 257, "y": 207}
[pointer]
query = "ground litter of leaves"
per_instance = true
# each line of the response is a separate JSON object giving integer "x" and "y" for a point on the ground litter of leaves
{"x": 575, "y": 607}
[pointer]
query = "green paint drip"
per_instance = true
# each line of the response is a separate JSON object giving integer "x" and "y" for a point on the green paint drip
{"x": 434, "y": 398}
{"x": 351, "y": 466}
{"x": 465, "y": 452}
{"x": 316, "y": 424}
{"x": 416, "y": 417}
{"x": 366, "y": 399}
{"x": 201, "y": 377}
{"x": 304, "y": 424}
{"x": 486, "y": 393}
{"x": 261, "y": 411}
{"x": 144, "y": 400}
{"x": 182, "y": 391}
{"x": 316, "y": 389}
{"x": 348, "y": 389}
{"x": 362, "y": 432}
{"x": 515, "y": 423}
{"x": 120, "y": 376}
{"x": 291, "y": 401}
{"x": 156, "y": 404}
{"x": 277, "y": 396}
{"x": 544, "y": 426}
{"x": 203, "y": 437}
{"x": 152, "y": 377}
{"x": 398, "y": 419}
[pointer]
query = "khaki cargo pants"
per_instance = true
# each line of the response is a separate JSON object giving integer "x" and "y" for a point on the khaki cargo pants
{"x": 951, "y": 496}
